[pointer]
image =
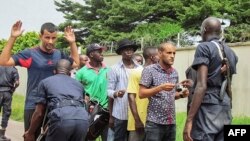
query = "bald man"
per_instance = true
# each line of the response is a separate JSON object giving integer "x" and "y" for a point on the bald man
{"x": 68, "y": 119}
{"x": 210, "y": 109}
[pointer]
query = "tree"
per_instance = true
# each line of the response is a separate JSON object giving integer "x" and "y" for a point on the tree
{"x": 111, "y": 20}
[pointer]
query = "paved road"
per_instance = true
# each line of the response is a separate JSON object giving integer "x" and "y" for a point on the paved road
{"x": 15, "y": 130}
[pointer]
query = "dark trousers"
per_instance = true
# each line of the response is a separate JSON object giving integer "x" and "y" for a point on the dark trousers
{"x": 158, "y": 132}
{"x": 27, "y": 119}
{"x": 209, "y": 122}
{"x": 67, "y": 130}
{"x": 120, "y": 130}
{"x": 5, "y": 103}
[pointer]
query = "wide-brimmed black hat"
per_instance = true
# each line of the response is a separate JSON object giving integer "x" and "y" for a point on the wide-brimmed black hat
{"x": 124, "y": 44}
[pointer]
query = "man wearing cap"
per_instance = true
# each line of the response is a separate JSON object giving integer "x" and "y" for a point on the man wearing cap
{"x": 117, "y": 85}
{"x": 93, "y": 76}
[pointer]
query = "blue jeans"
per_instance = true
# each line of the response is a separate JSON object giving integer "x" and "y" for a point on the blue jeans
{"x": 158, "y": 132}
{"x": 110, "y": 135}
{"x": 120, "y": 129}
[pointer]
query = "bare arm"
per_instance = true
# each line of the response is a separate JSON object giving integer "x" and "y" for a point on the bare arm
{"x": 145, "y": 92}
{"x": 111, "y": 118}
{"x": 70, "y": 37}
{"x": 198, "y": 96}
{"x": 36, "y": 121}
{"x": 133, "y": 108}
{"x": 5, "y": 57}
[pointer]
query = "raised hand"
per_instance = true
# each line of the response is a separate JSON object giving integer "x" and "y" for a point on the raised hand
{"x": 16, "y": 30}
{"x": 69, "y": 34}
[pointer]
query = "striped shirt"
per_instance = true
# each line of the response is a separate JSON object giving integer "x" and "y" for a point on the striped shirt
{"x": 118, "y": 80}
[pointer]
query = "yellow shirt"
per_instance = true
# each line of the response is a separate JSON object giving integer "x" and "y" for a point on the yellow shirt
{"x": 133, "y": 87}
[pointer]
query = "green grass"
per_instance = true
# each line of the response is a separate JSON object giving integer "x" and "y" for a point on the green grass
{"x": 181, "y": 118}
{"x": 18, "y": 105}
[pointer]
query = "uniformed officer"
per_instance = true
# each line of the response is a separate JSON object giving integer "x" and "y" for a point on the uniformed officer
{"x": 63, "y": 95}
{"x": 9, "y": 81}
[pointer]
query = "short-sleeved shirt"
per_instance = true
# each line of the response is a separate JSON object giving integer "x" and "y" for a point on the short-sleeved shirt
{"x": 161, "y": 107}
{"x": 40, "y": 65}
{"x": 58, "y": 88}
{"x": 8, "y": 76}
{"x": 141, "y": 104}
{"x": 95, "y": 83}
{"x": 208, "y": 54}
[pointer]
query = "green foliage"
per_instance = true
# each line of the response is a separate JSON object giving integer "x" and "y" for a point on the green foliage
{"x": 238, "y": 33}
{"x": 2, "y": 44}
{"x": 155, "y": 33}
{"x": 17, "y": 107}
{"x": 27, "y": 40}
{"x": 111, "y": 20}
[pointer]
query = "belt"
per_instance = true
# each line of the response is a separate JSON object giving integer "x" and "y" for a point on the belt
{"x": 68, "y": 103}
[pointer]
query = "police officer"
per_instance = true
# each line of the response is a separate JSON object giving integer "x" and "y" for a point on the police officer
{"x": 9, "y": 81}
{"x": 207, "y": 104}
{"x": 63, "y": 95}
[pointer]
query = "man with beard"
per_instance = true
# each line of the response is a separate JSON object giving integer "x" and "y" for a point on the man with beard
{"x": 93, "y": 76}
{"x": 40, "y": 60}
{"x": 158, "y": 82}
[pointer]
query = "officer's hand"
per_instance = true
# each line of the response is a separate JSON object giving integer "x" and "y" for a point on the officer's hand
{"x": 187, "y": 83}
{"x": 187, "y": 131}
{"x": 185, "y": 92}
{"x": 28, "y": 137}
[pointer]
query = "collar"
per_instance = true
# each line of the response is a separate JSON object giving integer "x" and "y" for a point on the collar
{"x": 168, "y": 71}
{"x": 121, "y": 64}
{"x": 213, "y": 38}
{"x": 90, "y": 67}
{"x": 41, "y": 50}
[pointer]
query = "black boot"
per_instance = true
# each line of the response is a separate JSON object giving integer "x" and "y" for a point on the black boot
{"x": 2, "y": 135}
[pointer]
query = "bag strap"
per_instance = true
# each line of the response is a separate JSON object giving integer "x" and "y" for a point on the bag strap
{"x": 45, "y": 116}
{"x": 219, "y": 49}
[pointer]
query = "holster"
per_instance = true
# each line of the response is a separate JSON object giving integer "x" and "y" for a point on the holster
{"x": 223, "y": 89}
